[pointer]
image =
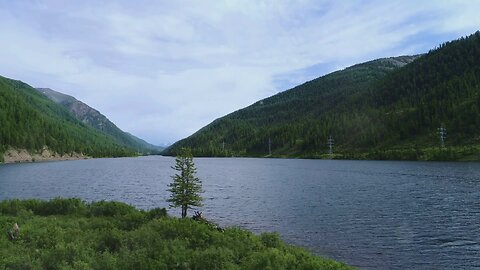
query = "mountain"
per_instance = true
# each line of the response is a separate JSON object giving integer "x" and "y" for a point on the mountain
{"x": 154, "y": 149}
{"x": 31, "y": 121}
{"x": 388, "y": 108}
{"x": 95, "y": 119}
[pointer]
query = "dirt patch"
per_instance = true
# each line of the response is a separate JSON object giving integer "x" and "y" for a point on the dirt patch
{"x": 22, "y": 155}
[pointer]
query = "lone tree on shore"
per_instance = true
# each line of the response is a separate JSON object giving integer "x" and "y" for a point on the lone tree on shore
{"x": 186, "y": 187}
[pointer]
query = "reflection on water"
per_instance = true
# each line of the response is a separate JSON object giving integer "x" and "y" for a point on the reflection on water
{"x": 371, "y": 214}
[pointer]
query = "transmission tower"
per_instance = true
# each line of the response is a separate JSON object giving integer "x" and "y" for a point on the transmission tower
{"x": 330, "y": 143}
{"x": 269, "y": 146}
{"x": 442, "y": 133}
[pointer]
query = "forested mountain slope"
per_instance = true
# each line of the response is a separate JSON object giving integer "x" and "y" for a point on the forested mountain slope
{"x": 29, "y": 120}
{"x": 95, "y": 119}
{"x": 388, "y": 108}
{"x": 150, "y": 148}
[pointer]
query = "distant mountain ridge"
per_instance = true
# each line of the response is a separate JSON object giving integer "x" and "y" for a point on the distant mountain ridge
{"x": 35, "y": 126}
{"x": 388, "y": 108}
{"x": 95, "y": 119}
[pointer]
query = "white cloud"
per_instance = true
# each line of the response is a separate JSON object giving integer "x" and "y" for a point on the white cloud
{"x": 164, "y": 70}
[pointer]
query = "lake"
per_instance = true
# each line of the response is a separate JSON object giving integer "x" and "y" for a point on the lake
{"x": 369, "y": 214}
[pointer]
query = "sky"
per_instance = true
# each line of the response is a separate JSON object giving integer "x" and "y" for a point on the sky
{"x": 161, "y": 70}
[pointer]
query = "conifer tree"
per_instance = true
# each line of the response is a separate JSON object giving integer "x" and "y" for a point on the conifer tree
{"x": 186, "y": 187}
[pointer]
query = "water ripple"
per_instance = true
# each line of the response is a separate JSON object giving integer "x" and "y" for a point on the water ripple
{"x": 370, "y": 214}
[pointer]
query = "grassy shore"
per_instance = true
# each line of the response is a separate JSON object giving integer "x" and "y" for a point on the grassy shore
{"x": 72, "y": 234}
{"x": 409, "y": 153}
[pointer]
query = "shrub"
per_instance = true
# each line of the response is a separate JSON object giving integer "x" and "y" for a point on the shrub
{"x": 57, "y": 206}
{"x": 156, "y": 213}
{"x": 271, "y": 240}
{"x": 131, "y": 220}
{"x": 15, "y": 206}
{"x": 214, "y": 258}
{"x": 60, "y": 206}
{"x": 112, "y": 235}
{"x": 110, "y": 240}
{"x": 270, "y": 259}
{"x": 104, "y": 261}
{"x": 110, "y": 209}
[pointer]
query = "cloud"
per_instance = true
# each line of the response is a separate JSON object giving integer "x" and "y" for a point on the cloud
{"x": 163, "y": 69}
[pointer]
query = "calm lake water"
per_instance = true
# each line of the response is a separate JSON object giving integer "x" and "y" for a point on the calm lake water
{"x": 369, "y": 214}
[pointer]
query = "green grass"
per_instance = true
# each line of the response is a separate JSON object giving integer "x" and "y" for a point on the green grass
{"x": 71, "y": 234}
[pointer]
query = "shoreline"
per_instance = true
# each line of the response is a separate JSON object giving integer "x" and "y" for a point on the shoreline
{"x": 25, "y": 156}
{"x": 469, "y": 153}
{"x": 460, "y": 160}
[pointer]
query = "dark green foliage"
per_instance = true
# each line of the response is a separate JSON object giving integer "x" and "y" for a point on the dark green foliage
{"x": 156, "y": 213}
{"x": 109, "y": 240}
{"x": 86, "y": 237}
{"x": 271, "y": 240}
{"x": 60, "y": 206}
{"x": 186, "y": 187}
{"x": 110, "y": 209}
{"x": 381, "y": 108}
{"x": 57, "y": 206}
{"x": 29, "y": 120}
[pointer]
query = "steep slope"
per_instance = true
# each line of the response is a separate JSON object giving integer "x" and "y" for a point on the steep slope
{"x": 290, "y": 120}
{"x": 95, "y": 119}
{"x": 153, "y": 149}
{"x": 31, "y": 121}
{"x": 387, "y": 108}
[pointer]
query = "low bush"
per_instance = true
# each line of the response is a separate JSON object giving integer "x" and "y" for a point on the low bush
{"x": 110, "y": 209}
{"x": 156, "y": 213}
{"x": 112, "y": 235}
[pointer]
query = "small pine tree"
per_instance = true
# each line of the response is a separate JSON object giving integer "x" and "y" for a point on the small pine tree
{"x": 186, "y": 187}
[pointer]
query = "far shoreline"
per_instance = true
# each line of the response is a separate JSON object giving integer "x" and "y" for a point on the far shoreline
{"x": 57, "y": 157}
{"x": 37, "y": 158}
{"x": 24, "y": 156}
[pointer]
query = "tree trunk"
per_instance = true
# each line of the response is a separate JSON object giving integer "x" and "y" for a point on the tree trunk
{"x": 184, "y": 211}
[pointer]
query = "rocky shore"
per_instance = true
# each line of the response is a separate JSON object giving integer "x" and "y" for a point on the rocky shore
{"x": 22, "y": 155}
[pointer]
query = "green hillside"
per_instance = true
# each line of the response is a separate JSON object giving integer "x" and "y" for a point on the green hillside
{"x": 384, "y": 109}
{"x": 142, "y": 144}
{"x": 29, "y": 120}
{"x": 95, "y": 119}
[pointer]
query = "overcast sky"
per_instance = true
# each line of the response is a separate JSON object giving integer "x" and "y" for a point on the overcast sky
{"x": 163, "y": 69}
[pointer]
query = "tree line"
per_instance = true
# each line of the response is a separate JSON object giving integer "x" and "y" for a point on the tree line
{"x": 374, "y": 106}
{"x": 28, "y": 120}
